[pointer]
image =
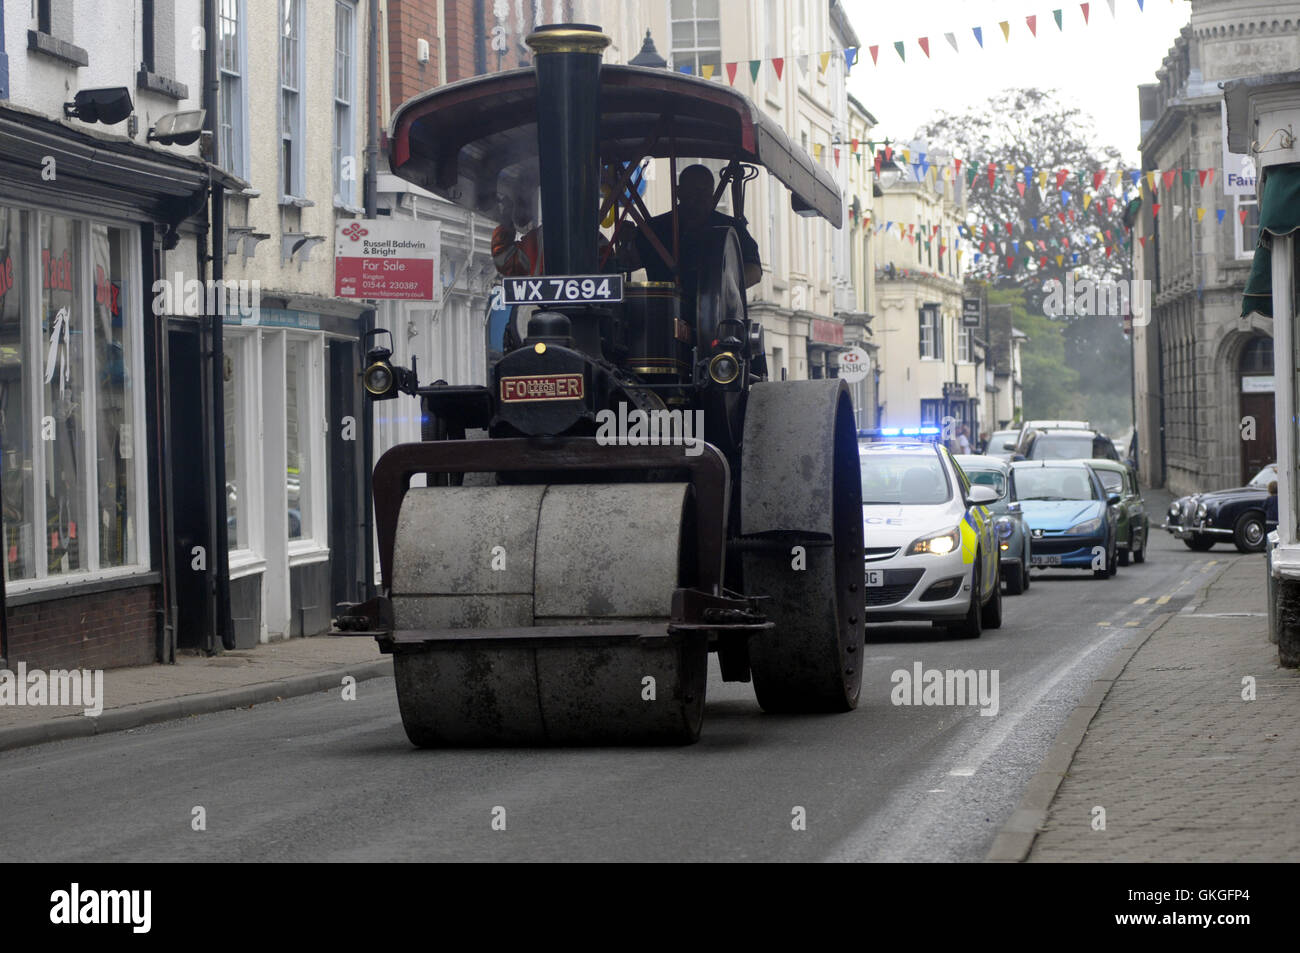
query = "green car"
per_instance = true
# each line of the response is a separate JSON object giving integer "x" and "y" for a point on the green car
{"x": 1132, "y": 528}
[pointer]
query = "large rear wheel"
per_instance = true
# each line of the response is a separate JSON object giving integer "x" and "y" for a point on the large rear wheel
{"x": 801, "y": 545}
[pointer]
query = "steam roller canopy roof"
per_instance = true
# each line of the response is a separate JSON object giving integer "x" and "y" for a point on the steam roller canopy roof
{"x": 459, "y": 140}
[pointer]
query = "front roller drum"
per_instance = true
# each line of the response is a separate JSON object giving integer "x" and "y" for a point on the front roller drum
{"x": 540, "y": 615}
{"x": 560, "y": 688}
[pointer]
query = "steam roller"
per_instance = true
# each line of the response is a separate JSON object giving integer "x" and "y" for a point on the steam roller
{"x": 628, "y": 492}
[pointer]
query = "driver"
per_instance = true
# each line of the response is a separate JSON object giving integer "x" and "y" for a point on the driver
{"x": 696, "y": 217}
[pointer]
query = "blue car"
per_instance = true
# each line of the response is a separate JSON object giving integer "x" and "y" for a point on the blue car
{"x": 1069, "y": 514}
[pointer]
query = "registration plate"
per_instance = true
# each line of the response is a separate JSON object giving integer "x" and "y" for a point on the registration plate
{"x": 568, "y": 289}
{"x": 875, "y": 578}
{"x": 1046, "y": 560}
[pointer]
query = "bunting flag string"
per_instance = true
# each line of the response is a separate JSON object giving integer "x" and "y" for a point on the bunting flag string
{"x": 850, "y": 54}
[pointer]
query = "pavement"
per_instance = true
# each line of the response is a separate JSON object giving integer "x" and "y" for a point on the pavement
{"x": 1167, "y": 759}
{"x": 198, "y": 685}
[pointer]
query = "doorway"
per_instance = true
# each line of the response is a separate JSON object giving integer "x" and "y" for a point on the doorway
{"x": 1255, "y": 385}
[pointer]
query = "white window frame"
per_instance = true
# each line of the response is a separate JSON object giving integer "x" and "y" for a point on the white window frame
{"x": 345, "y": 112}
{"x": 964, "y": 345}
{"x": 132, "y": 305}
{"x": 297, "y": 175}
{"x": 250, "y": 441}
{"x": 1239, "y": 230}
{"x": 314, "y": 546}
{"x": 693, "y": 52}
{"x": 238, "y": 163}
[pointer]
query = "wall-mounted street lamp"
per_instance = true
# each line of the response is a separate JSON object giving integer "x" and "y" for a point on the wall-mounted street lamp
{"x": 178, "y": 129}
{"x": 109, "y": 105}
{"x": 890, "y": 174}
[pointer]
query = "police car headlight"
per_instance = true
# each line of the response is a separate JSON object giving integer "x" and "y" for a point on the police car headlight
{"x": 937, "y": 544}
{"x": 1086, "y": 528}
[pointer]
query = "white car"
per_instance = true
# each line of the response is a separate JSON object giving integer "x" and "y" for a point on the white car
{"x": 931, "y": 555}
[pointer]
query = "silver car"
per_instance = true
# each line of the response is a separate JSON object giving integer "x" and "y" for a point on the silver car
{"x": 931, "y": 554}
{"x": 1008, "y": 521}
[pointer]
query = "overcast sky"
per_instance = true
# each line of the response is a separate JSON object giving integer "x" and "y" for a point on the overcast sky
{"x": 1097, "y": 67}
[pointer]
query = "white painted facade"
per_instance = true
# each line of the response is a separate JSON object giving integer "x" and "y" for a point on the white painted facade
{"x": 280, "y": 234}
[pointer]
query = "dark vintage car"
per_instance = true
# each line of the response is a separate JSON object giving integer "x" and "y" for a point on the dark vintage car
{"x": 1235, "y": 516}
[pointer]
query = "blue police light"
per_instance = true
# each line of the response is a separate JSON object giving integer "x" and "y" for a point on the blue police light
{"x": 889, "y": 431}
{"x": 930, "y": 431}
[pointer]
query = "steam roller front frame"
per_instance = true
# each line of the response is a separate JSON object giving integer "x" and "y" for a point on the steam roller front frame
{"x": 594, "y": 629}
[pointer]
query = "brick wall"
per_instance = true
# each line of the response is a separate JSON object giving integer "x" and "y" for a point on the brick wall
{"x": 409, "y": 21}
{"x": 412, "y": 20}
{"x": 103, "y": 630}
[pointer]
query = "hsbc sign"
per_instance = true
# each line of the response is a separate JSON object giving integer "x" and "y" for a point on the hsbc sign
{"x": 855, "y": 364}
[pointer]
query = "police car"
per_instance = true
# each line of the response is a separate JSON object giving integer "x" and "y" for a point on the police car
{"x": 931, "y": 555}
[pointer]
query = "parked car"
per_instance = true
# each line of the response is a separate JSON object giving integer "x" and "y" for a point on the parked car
{"x": 1008, "y": 522}
{"x": 1069, "y": 515}
{"x": 1065, "y": 444}
{"x": 1029, "y": 425}
{"x": 931, "y": 555}
{"x": 997, "y": 445}
{"x": 1237, "y": 515}
{"x": 1132, "y": 526}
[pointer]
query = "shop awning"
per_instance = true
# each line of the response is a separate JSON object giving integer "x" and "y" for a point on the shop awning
{"x": 85, "y": 170}
{"x": 1279, "y": 214}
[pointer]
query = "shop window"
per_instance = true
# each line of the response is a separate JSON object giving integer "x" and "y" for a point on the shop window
{"x": 234, "y": 401}
{"x": 70, "y": 411}
{"x": 115, "y": 396}
{"x": 63, "y": 394}
{"x": 297, "y": 438}
{"x": 16, "y": 433}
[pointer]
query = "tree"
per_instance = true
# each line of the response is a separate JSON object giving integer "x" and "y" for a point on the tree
{"x": 1073, "y": 365}
{"x": 1033, "y": 132}
{"x": 1051, "y": 386}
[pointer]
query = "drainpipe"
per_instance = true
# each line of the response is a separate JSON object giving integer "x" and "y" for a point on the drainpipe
{"x": 371, "y": 186}
{"x": 219, "y": 561}
{"x": 369, "y": 317}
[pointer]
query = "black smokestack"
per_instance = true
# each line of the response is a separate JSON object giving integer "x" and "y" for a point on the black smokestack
{"x": 567, "y": 62}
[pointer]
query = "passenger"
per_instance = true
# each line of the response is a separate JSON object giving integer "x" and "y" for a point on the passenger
{"x": 516, "y": 248}
{"x": 696, "y": 217}
{"x": 1270, "y": 505}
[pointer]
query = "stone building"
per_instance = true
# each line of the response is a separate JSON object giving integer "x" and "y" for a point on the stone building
{"x": 1200, "y": 368}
